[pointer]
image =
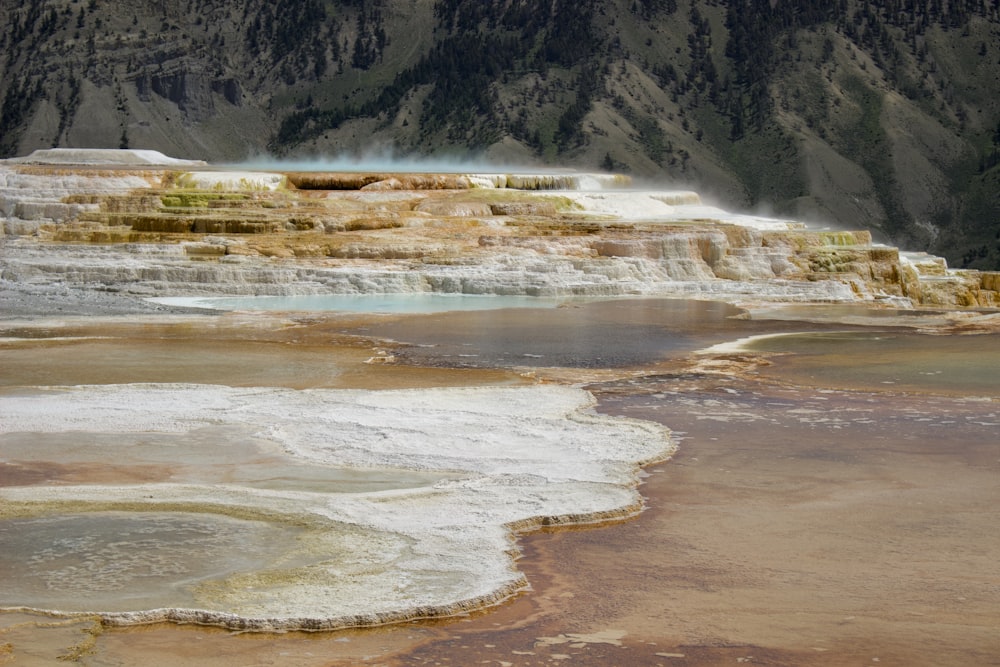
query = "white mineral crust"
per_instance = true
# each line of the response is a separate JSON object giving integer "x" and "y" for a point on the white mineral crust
{"x": 162, "y": 271}
{"x": 526, "y": 455}
{"x": 668, "y": 207}
{"x": 232, "y": 180}
{"x": 103, "y": 157}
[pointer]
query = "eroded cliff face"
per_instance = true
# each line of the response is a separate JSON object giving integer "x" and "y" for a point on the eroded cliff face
{"x": 170, "y": 230}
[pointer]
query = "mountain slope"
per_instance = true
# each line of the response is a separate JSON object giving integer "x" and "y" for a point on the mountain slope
{"x": 879, "y": 115}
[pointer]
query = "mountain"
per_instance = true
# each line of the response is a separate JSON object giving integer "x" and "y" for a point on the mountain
{"x": 883, "y": 115}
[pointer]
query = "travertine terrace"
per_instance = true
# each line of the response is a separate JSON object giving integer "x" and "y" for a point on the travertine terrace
{"x": 162, "y": 226}
{"x": 527, "y": 457}
{"x": 140, "y": 225}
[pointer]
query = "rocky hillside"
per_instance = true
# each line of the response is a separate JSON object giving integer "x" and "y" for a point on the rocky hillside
{"x": 869, "y": 115}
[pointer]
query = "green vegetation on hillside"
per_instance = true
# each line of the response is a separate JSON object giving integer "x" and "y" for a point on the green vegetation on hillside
{"x": 881, "y": 114}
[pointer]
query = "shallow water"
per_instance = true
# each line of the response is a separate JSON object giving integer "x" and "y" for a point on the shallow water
{"x": 130, "y": 561}
{"x": 604, "y": 334}
{"x": 968, "y": 364}
{"x": 270, "y": 350}
{"x": 211, "y": 455}
{"x": 816, "y": 514}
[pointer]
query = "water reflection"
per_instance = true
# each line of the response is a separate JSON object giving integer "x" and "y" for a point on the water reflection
{"x": 793, "y": 510}
{"x": 607, "y": 334}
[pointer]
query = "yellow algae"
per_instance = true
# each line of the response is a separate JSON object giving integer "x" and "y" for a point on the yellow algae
{"x": 201, "y": 199}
